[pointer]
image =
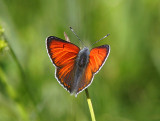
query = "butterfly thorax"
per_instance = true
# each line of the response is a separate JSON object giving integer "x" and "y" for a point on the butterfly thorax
{"x": 83, "y": 57}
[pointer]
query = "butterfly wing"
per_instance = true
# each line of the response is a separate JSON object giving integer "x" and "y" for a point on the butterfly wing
{"x": 63, "y": 54}
{"x": 97, "y": 58}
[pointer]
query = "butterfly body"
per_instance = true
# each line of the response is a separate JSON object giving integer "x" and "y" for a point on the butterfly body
{"x": 75, "y": 68}
{"x": 80, "y": 66}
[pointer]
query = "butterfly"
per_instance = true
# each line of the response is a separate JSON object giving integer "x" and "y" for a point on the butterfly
{"x": 75, "y": 67}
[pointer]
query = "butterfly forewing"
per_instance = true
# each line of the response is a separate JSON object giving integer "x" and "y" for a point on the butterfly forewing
{"x": 98, "y": 56}
{"x": 63, "y": 55}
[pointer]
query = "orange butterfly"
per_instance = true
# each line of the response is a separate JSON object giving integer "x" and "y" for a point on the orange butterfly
{"x": 75, "y": 68}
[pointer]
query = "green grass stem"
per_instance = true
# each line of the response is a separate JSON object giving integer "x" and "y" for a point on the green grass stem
{"x": 90, "y": 105}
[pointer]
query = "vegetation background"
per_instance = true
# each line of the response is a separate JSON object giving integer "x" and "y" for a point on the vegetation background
{"x": 126, "y": 89}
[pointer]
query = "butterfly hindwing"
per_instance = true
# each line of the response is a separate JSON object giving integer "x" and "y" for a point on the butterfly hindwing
{"x": 63, "y": 54}
{"x": 97, "y": 58}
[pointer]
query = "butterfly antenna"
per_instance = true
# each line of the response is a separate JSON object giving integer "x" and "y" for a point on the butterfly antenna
{"x": 101, "y": 39}
{"x": 76, "y": 35}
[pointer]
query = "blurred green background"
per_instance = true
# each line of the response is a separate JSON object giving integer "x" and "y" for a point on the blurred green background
{"x": 126, "y": 89}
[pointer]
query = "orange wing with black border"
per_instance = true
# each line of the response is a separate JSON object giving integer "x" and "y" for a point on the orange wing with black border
{"x": 97, "y": 58}
{"x": 63, "y": 54}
